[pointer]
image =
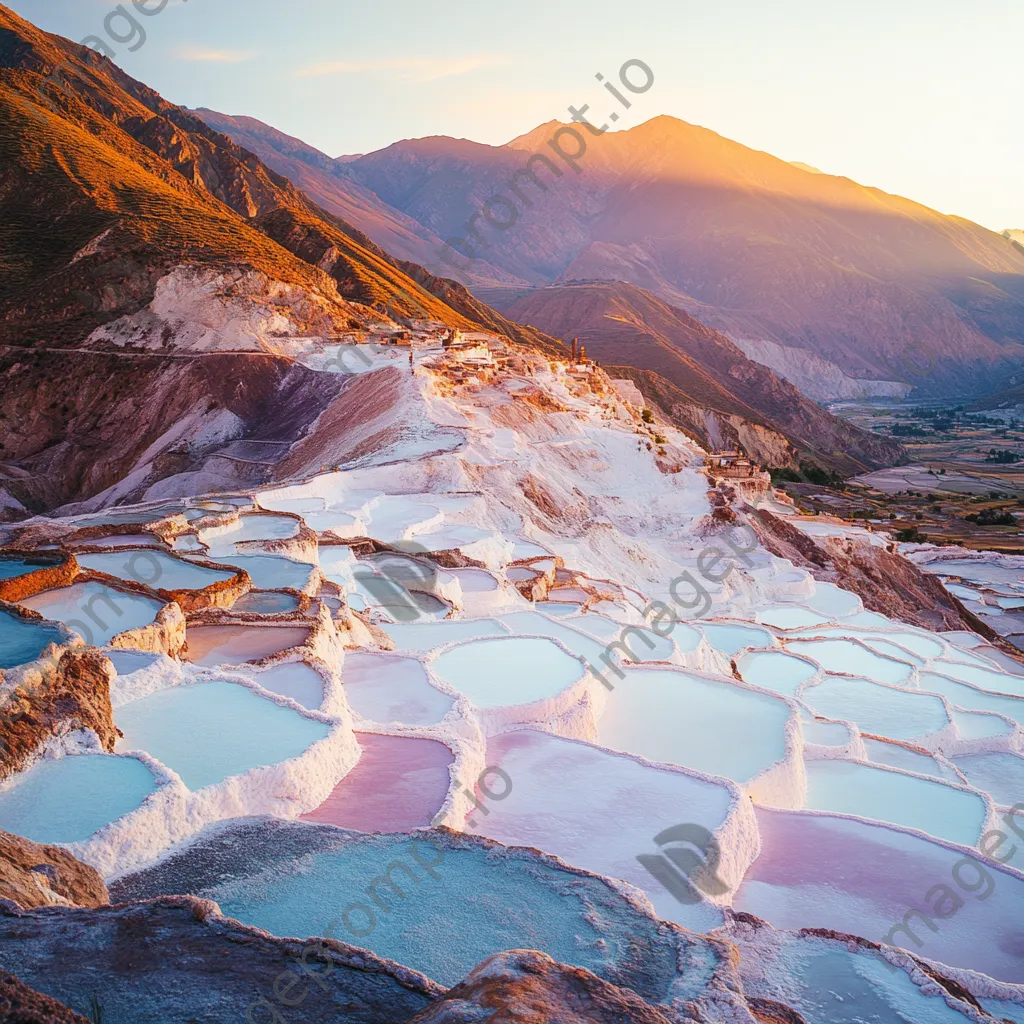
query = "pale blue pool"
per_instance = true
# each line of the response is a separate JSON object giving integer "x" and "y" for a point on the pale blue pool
{"x": 211, "y": 731}
{"x": 22, "y": 641}
{"x": 70, "y": 799}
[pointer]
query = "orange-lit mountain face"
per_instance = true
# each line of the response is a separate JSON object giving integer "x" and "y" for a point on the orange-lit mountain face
{"x": 773, "y": 255}
{"x": 154, "y": 273}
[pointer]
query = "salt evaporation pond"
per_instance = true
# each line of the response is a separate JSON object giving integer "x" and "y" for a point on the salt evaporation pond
{"x": 597, "y": 810}
{"x": 69, "y": 799}
{"x": 211, "y": 646}
{"x": 849, "y": 787}
{"x": 425, "y": 636}
{"x": 22, "y": 641}
{"x": 580, "y": 644}
{"x": 790, "y": 617}
{"x": 1000, "y": 775}
{"x": 845, "y": 656}
{"x": 645, "y": 644}
{"x": 95, "y": 612}
{"x": 266, "y": 602}
{"x": 858, "y": 878}
{"x": 984, "y": 678}
{"x": 507, "y": 670}
{"x": 775, "y": 670}
{"x": 270, "y": 572}
{"x": 878, "y": 709}
{"x": 295, "y": 679}
{"x": 895, "y": 756}
{"x": 399, "y": 783}
{"x": 153, "y": 568}
{"x": 471, "y": 905}
{"x": 682, "y": 719}
{"x": 729, "y": 638}
{"x": 12, "y": 568}
{"x": 384, "y": 688}
{"x": 208, "y": 732}
{"x": 557, "y": 608}
{"x": 825, "y": 734}
{"x": 970, "y": 699}
{"x": 221, "y": 540}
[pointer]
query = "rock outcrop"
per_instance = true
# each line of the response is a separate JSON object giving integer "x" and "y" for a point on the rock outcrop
{"x": 523, "y": 986}
{"x": 58, "y": 700}
{"x": 178, "y": 959}
{"x": 34, "y": 875}
{"x": 20, "y": 1004}
{"x": 884, "y": 580}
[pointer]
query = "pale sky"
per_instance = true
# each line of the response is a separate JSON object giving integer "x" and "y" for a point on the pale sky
{"x": 918, "y": 97}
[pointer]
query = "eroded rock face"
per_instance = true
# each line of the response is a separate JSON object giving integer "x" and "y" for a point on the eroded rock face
{"x": 34, "y": 875}
{"x": 21, "y": 1005}
{"x": 525, "y": 986}
{"x": 74, "y": 695}
{"x": 885, "y": 581}
{"x": 178, "y": 959}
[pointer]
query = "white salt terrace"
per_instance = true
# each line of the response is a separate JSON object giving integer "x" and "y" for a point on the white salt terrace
{"x": 155, "y": 569}
{"x": 507, "y": 670}
{"x": 221, "y": 540}
{"x": 713, "y": 726}
{"x": 95, "y": 612}
{"x": 232, "y": 645}
{"x": 208, "y": 732}
{"x": 69, "y": 799}
{"x": 887, "y": 794}
{"x": 854, "y": 761}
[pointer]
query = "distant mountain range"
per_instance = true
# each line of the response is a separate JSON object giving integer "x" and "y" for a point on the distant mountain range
{"x": 158, "y": 274}
{"x": 880, "y": 287}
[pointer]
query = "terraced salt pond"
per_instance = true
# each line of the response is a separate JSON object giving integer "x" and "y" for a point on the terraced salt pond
{"x": 12, "y": 568}
{"x": 421, "y": 637}
{"x": 846, "y": 656}
{"x": 385, "y": 688}
{"x": 269, "y": 572}
{"x": 298, "y": 879}
{"x": 507, "y": 670}
{"x": 999, "y": 775}
{"x": 969, "y": 698}
{"x": 729, "y": 638}
{"x": 877, "y": 709}
{"x": 95, "y": 612}
{"x": 70, "y": 799}
{"x": 775, "y": 670}
{"x": 266, "y": 602}
{"x": 296, "y": 680}
{"x": 683, "y": 719}
{"x": 221, "y": 540}
{"x": 154, "y": 568}
{"x": 208, "y": 732}
{"x": 895, "y": 756}
{"x": 399, "y": 783}
{"x": 22, "y": 640}
{"x": 849, "y": 787}
{"x": 211, "y": 646}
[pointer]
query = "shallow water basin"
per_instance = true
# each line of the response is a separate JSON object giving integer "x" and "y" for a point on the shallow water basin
{"x": 208, "y": 732}
{"x": 210, "y": 646}
{"x": 507, "y": 671}
{"x": 155, "y": 569}
{"x": 95, "y": 612}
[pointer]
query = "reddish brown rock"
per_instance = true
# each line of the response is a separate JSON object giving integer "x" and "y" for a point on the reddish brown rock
{"x": 20, "y": 1004}
{"x": 71, "y": 695}
{"x": 885, "y": 581}
{"x": 527, "y": 987}
{"x": 33, "y": 875}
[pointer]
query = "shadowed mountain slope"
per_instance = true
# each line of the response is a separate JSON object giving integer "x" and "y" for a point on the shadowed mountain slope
{"x": 626, "y": 326}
